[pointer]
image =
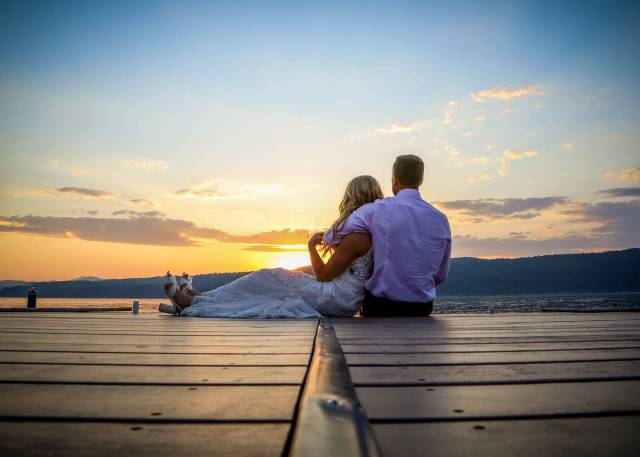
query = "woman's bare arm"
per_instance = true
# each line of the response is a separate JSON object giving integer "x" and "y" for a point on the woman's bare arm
{"x": 352, "y": 245}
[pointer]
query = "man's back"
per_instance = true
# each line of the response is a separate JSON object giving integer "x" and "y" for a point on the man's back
{"x": 411, "y": 246}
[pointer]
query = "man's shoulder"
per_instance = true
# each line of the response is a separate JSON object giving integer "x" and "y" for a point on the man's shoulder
{"x": 435, "y": 210}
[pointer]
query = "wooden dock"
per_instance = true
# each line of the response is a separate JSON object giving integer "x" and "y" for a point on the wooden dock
{"x": 506, "y": 384}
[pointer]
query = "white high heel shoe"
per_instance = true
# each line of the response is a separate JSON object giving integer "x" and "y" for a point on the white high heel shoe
{"x": 174, "y": 308}
{"x": 186, "y": 281}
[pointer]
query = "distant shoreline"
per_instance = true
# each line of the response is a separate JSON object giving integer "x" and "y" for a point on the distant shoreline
{"x": 564, "y": 274}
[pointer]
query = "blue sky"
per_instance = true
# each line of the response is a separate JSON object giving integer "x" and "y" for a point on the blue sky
{"x": 271, "y": 107}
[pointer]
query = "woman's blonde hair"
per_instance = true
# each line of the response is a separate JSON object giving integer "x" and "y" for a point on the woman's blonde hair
{"x": 360, "y": 191}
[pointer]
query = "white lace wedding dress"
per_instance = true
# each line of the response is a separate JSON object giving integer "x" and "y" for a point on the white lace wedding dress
{"x": 279, "y": 293}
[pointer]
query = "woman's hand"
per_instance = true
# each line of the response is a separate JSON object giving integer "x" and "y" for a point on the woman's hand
{"x": 315, "y": 239}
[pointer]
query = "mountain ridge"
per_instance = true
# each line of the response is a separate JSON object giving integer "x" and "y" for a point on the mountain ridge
{"x": 610, "y": 271}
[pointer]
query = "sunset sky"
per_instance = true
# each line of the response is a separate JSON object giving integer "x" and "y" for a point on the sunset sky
{"x": 137, "y": 137}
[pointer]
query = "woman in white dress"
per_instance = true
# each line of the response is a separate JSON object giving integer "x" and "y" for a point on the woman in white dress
{"x": 335, "y": 289}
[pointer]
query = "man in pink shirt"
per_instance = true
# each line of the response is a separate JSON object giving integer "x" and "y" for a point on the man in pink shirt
{"x": 411, "y": 245}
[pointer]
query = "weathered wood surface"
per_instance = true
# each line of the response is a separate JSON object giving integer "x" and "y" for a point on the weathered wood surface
{"x": 149, "y": 385}
{"x": 156, "y": 348}
{"x": 476, "y": 358}
{"x": 154, "y": 359}
{"x": 584, "y": 437}
{"x": 136, "y": 374}
{"x": 495, "y": 347}
{"x": 148, "y": 402}
{"x": 513, "y": 384}
{"x": 45, "y": 439}
{"x": 516, "y": 400}
{"x": 494, "y": 374}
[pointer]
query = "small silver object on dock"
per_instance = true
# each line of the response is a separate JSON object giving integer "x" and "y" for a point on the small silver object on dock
{"x": 135, "y": 307}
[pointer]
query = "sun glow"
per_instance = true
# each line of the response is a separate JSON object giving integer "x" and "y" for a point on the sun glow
{"x": 291, "y": 260}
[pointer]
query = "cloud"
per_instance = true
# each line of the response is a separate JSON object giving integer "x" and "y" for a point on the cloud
{"x": 616, "y": 222}
{"x": 144, "y": 202}
{"x": 621, "y": 192}
{"x": 568, "y": 147}
{"x": 285, "y": 236}
{"x": 510, "y": 154}
{"x": 515, "y": 155}
{"x": 229, "y": 189}
{"x": 205, "y": 192}
{"x": 63, "y": 167}
{"x": 519, "y": 245}
{"x": 398, "y": 128}
{"x": 80, "y": 192}
{"x": 502, "y": 169}
{"x": 480, "y": 159}
{"x": 478, "y": 177}
{"x": 451, "y": 150}
{"x": 148, "y": 228}
{"x": 631, "y": 174}
{"x": 268, "y": 248}
{"x": 132, "y": 230}
{"x": 467, "y": 134}
{"x": 127, "y": 212}
{"x": 482, "y": 117}
{"x": 504, "y": 93}
{"x": 507, "y": 208}
{"x": 145, "y": 164}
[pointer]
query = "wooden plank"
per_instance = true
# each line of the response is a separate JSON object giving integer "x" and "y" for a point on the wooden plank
{"x": 489, "y": 340}
{"x": 488, "y": 357}
{"x": 496, "y": 347}
{"x": 495, "y": 401}
{"x": 489, "y": 327}
{"x": 426, "y": 335}
{"x": 160, "y": 403}
{"x": 44, "y": 439}
{"x": 135, "y": 320}
{"x": 148, "y": 330}
{"x": 493, "y": 374}
{"x": 164, "y": 320}
{"x": 481, "y": 317}
{"x": 585, "y": 437}
{"x": 249, "y": 335}
{"x": 150, "y": 374}
{"x": 158, "y": 348}
{"x": 154, "y": 359}
{"x": 141, "y": 339}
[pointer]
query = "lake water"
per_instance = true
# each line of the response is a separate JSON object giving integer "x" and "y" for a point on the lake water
{"x": 485, "y": 304}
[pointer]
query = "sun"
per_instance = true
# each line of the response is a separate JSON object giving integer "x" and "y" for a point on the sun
{"x": 291, "y": 260}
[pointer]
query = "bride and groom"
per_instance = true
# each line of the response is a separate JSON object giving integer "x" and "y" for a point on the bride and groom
{"x": 387, "y": 257}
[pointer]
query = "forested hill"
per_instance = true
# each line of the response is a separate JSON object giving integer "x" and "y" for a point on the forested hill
{"x": 613, "y": 271}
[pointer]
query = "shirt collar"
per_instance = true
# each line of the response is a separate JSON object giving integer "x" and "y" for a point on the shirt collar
{"x": 409, "y": 193}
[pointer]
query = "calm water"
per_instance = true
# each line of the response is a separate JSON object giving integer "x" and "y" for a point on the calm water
{"x": 498, "y": 304}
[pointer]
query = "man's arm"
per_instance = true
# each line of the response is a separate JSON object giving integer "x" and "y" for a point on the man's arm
{"x": 353, "y": 245}
{"x": 443, "y": 271}
{"x": 360, "y": 221}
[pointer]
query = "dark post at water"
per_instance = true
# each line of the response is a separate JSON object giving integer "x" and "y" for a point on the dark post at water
{"x": 32, "y": 297}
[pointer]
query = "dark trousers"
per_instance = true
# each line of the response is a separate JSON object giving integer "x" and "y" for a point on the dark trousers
{"x": 373, "y": 306}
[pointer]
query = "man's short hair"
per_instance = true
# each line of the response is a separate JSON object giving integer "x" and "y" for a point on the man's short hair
{"x": 409, "y": 170}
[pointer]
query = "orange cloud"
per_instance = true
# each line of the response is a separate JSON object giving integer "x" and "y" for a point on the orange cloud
{"x": 504, "y": 93}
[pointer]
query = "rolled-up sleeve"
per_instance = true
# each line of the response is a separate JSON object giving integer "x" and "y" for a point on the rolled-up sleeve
{"x": 443, "y": 270}
{"x": 358, "y": 221}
